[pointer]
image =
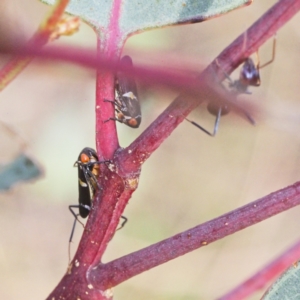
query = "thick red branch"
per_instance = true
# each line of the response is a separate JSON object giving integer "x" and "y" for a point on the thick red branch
{"x": 99, "y": 230}
{"x": 106, "y": 133}
{"x": 119, "y": 270}
{"x": 109, "y": 44}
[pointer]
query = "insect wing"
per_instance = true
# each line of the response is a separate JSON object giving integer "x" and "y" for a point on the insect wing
{"x": 125, "y": 83}
{"x": 131, "y": 110}
{"x": 127, "y": 96}
{"x": 84, "y": 192}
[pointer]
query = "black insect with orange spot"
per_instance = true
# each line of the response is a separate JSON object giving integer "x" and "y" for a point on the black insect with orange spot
{"x": 88, "y": 166}
{"x": 88, "y": 173}
{"x": 127, "y": 106}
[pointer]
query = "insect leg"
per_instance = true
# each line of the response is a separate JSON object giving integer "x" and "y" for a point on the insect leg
{"x": 123, "y": 222}
{"x": 273, "y": 55}
{"x": 75, "y": 215}
{"x": 73, "y": 227}
{"x": 225, "y": 74}
{"x": 249, "y": 117}
{"x": 114, "y": 119}
{"x": 118, "y": 109}
{"x": 91, "y": 174}
{"x": 115, "y": 102}
{"x": 216, "y": 126}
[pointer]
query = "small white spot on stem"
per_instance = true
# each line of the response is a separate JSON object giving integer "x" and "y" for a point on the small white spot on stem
{"x": 108, "y": 293}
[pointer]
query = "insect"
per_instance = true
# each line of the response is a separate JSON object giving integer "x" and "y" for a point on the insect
{"x": 127, "y": 106}
{"x": 88, "y": 173}
{"x": 249, "y": 76}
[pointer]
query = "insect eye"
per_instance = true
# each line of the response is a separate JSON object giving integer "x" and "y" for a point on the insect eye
{"x": 84, "y": 158}
{"x": 132, "y": 122}
{"x": 120, "y": 116}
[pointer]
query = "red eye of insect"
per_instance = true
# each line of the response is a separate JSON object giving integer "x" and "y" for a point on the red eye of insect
{"x": 120, "y": 116}
{"x": 84, "y": 158}
{"x": 132, "y": 122}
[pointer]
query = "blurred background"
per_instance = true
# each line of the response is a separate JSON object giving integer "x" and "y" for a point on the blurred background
{"x": 189, "y": 180}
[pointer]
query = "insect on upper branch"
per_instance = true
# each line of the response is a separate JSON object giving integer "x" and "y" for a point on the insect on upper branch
{"x": 127, "y": 106}
{"x": 249, "y": 76}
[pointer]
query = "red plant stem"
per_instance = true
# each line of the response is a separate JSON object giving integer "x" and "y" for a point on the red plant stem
{"x": 106, "y": 133}
{"x": 110, "y": 43}
{"x": 104, "y": 205}
{"x": 229, "y": 59}
{"x": 268, "y": 273}
{"x": 128, "y": 162}
{"x": 98, "y": 232}
{"x": 119, "y": 270}
{"x": 130, "y": 159}
{"x": 109, "y": 203}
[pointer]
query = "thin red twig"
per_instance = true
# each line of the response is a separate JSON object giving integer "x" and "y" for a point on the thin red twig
{"x": 109, "y": 44}
{"x": 265, "y": 275}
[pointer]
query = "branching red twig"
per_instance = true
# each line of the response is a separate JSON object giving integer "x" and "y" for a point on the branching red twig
{"x": 229, "y": 60}
{"x": 130, "y": 159}
{"x": 246, "y": 44}
{"x": 115, "y": 272}
{"x": 87, "y": 277}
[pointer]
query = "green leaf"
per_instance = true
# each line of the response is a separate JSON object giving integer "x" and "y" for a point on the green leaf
{"x": 287, "y": 286}
{"x": 138, "y": 15}
{"x": 21, "y": 169}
